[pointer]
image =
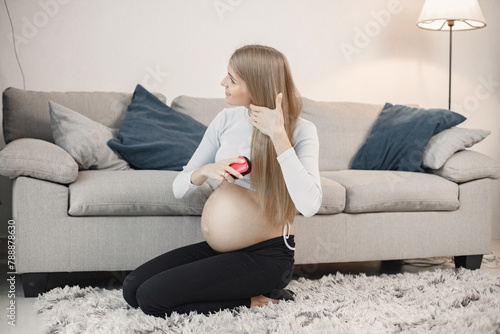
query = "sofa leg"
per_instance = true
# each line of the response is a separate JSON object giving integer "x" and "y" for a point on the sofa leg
{"x": 34, "y": 283}
{"x": 469, "y": 261}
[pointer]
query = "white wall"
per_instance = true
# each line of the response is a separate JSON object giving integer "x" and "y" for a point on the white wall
{"x": 358, "y": 50}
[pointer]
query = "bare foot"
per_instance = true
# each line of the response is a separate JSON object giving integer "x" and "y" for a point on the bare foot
{"x": 261, "y": 300}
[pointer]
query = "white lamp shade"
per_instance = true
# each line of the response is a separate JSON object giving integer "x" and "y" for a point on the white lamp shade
{"x": 466, "y": 15}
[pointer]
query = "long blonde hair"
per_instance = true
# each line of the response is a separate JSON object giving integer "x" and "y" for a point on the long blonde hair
{"x": 266, "y": 73}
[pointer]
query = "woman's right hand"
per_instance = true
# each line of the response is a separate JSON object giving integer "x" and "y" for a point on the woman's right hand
{"x": 220, "y": 171}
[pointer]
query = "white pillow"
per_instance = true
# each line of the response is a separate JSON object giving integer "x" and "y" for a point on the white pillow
{"x": 444, "y": 144}
{"x": 84, "y": 139}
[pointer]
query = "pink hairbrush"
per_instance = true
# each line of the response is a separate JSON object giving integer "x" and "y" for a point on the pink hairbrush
{"x": 243, "y": 168}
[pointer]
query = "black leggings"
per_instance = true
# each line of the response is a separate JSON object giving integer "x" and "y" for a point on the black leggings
{"x": 198, "y": 278}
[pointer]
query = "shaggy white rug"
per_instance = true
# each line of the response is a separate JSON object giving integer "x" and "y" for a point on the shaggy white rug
{"x": 440, "y": 301}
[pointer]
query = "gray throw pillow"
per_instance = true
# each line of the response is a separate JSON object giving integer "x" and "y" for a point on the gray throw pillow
{"x": 39, "y": 159}
{"x": 444, "y": 144}
{"x": 468, "y": 165}
{"x": 84, "y": 139}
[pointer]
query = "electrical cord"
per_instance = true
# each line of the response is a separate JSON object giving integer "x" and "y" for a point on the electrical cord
{"x": 14, "y": 43}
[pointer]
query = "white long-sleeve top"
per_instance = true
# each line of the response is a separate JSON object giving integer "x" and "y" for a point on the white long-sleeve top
{"x": 230, "y": 135}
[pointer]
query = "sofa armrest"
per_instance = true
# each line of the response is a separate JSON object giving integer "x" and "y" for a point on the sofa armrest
{"x": 39, "y": 159}
{"x": 468, "y": 165}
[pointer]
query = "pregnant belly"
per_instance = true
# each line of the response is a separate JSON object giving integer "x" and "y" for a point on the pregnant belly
{"x": 231, "y": 219}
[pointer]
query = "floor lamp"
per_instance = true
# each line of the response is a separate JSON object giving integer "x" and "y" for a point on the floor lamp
{"x": 451, "y": 15}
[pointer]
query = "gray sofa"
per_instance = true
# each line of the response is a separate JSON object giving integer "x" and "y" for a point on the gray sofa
{"x": 71, "y": 220}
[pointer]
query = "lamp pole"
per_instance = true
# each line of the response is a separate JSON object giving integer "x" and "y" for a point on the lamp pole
{"x": 451, "y": 23}
{"x": 457, "y": 14}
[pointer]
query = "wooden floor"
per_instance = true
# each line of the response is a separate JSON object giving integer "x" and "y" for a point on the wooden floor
{"x": 27, "y": 321}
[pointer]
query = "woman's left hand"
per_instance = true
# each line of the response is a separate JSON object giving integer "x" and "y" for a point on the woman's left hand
{"x": 268, "y": 121}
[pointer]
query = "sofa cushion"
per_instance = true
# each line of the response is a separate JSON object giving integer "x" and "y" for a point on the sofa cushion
{"x": 39, "y": 159}
{"x": 84, "y": 139}
{"x": 468, "y": 165}
{"x": 333, "y": 197}
{"x": 26, "y": 113}
{"x": 131, "y": 193}
{"x": 444, "y": 144}
{"x": 400, "y": 133}
{"x": 395, "y": 191}
{"x": 155, "y": 136}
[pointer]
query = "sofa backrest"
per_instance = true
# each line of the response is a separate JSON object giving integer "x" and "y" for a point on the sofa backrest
{"x": 342, "y": 126}
{"x": 342, "y": 129}
{"x": 26, "y": 113}
{"x": 201, "y": 109}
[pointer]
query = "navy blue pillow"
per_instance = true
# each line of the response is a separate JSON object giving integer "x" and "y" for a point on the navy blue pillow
{"x": 155, "y": 136}
{"x": 399, "y": 135}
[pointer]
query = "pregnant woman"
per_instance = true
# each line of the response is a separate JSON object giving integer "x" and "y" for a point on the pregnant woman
{"x": 247, "y": 257}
